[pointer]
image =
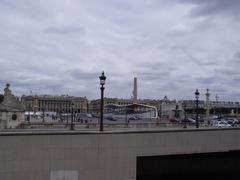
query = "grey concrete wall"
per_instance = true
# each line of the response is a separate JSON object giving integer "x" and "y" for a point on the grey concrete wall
{"x": 99, "y": 156}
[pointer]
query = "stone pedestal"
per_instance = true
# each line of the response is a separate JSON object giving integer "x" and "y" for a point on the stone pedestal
{"x": 11, "y": 110}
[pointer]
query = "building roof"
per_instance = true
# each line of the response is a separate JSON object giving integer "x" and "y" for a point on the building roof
{"x": 53, "y": 97}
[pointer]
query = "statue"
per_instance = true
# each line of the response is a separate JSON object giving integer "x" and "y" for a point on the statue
{"x": 1, "y": 98}
{"x": 177, "y": 111}
{"x": 7, "y": 91}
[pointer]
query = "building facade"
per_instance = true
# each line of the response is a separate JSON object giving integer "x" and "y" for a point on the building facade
{"x": 63, "y": 103}
{"x": 215, "y": 107}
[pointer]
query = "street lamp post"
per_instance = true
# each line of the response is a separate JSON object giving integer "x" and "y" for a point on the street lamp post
{"x": 185, "y": 115}
{"x": 217, "y": 113}
{"x": 197, "y": 97}
{"x": 43, "y": 111}
{"x": 185, "y": 107}
{"x": 67, "y": 112}
{"x": 28, "y": 118}
{"x": 126, "y": 120}
{"x": 102, "y": 82}
{"x": 238, "y": 109}
{"x": 71, "y": 126}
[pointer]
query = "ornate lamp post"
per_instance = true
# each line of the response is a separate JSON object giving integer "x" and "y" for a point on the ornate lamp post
{"x": 60, "y": 115}
{"x": 102, "y": 82}
{"x": 43, "y": 115}
{"x": 197, "y": 97}
{"x": 185, "y": 108}
{"x": 217, "y": 106}
{"x": 28, "y": 118}
{"x": 184, "y": 105}
{"x": 71, "y": 126}
{"x": 126, "y": 118}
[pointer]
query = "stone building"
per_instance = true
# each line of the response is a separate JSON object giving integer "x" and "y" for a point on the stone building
{"x": 11, "y": 110}
{"x": 63, "y": 103}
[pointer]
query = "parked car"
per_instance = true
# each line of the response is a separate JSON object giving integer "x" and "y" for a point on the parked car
{"x": 174, "y": 120}
{"x": 110, "y": 118}
{"x": 221, "y": 124}
{"x": 134, "y": 118}
{"x": 189, "y": 120}
{"x": 231, "y": 123}
{"x": 89, "y": 115}
{"x": 95, "y": 115}
{"x": 233, "y": 120}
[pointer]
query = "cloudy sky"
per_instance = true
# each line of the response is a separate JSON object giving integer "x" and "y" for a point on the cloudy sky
{"x": 172, "y": 46}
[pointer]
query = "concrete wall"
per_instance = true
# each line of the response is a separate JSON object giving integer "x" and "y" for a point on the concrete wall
{"x": 99, "y": 156}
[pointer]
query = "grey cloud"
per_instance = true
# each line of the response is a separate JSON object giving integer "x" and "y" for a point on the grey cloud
{"x": 235, "y": 81}
{"x": 155, "y": 71}
{"x": 154, "y": 76}
{"x": 49, "y": 45}
{"x": 65, "y": 30}
{"x": 213, "y": 7}
{"x": 157, "y": 66}
{"x": 79, "y": 74}
{"x": 169, "y": 86}
{"x": 179, "y": 30}
{"x": 206, "y": 80}
{"x": 37, "y": 87}
{"x": 227, "y": 72}
{"x": 234, "y": 96}
{"x": 236, "y": 57}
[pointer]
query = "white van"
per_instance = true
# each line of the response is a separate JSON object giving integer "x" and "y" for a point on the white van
{"x": 221, "y": 124}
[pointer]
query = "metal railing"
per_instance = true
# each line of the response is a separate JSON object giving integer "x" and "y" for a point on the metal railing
{"x": 93, "y": 126}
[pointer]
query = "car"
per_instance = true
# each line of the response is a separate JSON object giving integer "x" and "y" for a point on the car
{"x": 231, "y": 123}
{"x": 221, "y": 124}
{"x": 134, "y": 118}
{"x": 89, "y": 115}
{"x": 95, "y": 115}
{"x": 174, "y": 120}
{"x": 189, "y": 120}
{"x": 233, "y": 120}
{"x": 110, "y": 118}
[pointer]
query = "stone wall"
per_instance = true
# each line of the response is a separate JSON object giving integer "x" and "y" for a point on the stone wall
{"x": 99, "y": 156}
{"x": 6, "y": 120}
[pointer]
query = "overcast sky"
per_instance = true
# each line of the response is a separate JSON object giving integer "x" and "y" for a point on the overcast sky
{"x": 172, "y": 46}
